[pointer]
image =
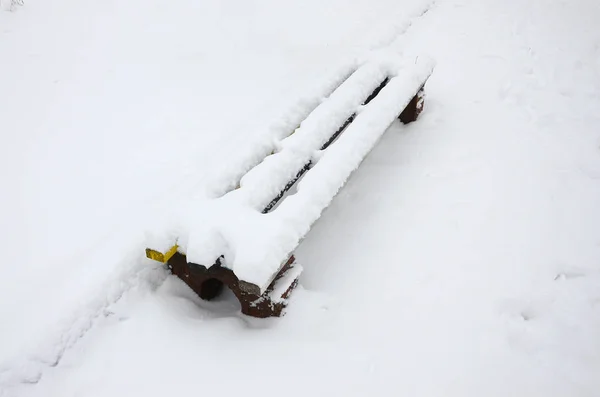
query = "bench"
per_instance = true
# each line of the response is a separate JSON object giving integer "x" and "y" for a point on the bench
{"x": 245, "y": 239}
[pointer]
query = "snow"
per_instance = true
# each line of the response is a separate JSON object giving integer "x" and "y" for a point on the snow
{"x": 461, "y": 257}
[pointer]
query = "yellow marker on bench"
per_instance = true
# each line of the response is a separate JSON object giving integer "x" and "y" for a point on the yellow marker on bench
{"x": 159, "y": 256}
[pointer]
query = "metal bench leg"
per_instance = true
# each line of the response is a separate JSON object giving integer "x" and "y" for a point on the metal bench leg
{"x": 208, "y": 283}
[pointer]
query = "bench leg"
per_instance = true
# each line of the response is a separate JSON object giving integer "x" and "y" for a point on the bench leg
{"x": 414, "y": 107}
{"x": 274, "y": 300}
{"x": 208, "y": 283}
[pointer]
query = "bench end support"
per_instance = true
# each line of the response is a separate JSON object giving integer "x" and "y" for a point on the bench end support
{"x": 414, "y": 108}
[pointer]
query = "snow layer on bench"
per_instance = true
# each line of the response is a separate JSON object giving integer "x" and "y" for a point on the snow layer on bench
{"x": 254, "y": 245}
{"x": 261, "y": 184}
{"x": 295, "y": 112}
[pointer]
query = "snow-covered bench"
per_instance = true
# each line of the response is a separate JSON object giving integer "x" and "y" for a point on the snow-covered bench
{"x": 245, "y": 239}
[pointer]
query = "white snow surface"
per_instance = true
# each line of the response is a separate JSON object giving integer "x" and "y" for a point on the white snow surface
{"x": 460, "y": 259}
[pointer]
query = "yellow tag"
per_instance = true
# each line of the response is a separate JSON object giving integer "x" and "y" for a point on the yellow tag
{"x": 159, "y": 256}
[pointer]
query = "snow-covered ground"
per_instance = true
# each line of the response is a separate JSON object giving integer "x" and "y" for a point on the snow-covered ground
{"x": 462, "y": 258}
